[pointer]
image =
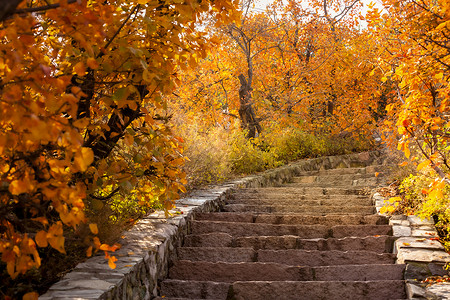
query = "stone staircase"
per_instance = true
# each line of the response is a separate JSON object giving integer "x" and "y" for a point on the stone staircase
{"x": 317, "y": 237}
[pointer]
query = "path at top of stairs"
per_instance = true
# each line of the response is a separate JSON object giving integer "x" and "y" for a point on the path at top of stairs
{"x": 317, "y": 237}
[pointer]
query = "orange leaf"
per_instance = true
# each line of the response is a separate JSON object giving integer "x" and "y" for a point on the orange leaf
{"x": 80, "y": 69}
{"x": 89, "y": 251}
{"x": 57, "y": 243}
{"x": 104, "y": 247}
{"x": 377, "y": 173}
{"x": 403, "y": 164}
{"x": 31, "y": 296}
{"x": 92, "y": 63}
{"x": 93, "y": 227}
{"x": 83, "y": 158}
{"x": 407, "y": 244}
{"x": 111, "y": 261}
{"x": 20, "y": 186}
{"x": 41, "y": 239}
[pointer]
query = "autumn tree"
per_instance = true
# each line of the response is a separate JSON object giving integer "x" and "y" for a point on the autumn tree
{"x": 415, "y": 36}
{"x": 83, "y": 121}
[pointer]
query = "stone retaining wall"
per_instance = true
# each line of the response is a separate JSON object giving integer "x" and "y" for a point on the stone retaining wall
{"x": 417, "y": 247}
{"x": 149, "y": 246}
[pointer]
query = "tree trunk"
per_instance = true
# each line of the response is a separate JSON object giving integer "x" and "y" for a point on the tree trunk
{"x": 246, "y": 112}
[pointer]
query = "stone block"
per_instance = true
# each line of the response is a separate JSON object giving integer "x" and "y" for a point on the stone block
{"x": 417, "y": 271}
{"x": 415, "y": 220}
{"x": 440, "y": 290}
{"x": 414, "y": 242}
{"x": 401, "y": 231}
{"x": 423, "y": 232}
{"x": 415, "y": 291}
{"x": 421, "y": 255}
{"x": 399, "y": 222}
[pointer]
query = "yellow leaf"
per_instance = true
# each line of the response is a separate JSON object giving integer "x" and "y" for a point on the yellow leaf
{"x": 383, "y": 210}
{"x": 80, "y": 69}
{"x": 41, "y": 239}
{"x": 407, "y": 244}
{"x": 147, "y": 76}
{"x": 395, "y": 199}
{"x": 423, "y": 165}
{"x": 93, "y": 227}
{"x": 30, "y": 296}
{"x": 407, "y": 152}
{"x": 92, "y": 63}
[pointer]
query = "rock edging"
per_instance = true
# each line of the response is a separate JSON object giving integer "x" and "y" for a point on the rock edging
{"x": 149, "y": 246}
{"x": 417, "y": 247}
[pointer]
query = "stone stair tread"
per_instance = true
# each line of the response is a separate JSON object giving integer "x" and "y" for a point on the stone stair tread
{"x": 325, "y": 258}
{"x": 354, "y": 290}
{"x": 304, "y": 231}
{"x": 344, "y": 184}
{"x": 293, "y": 218}
{"x": 380, "y": 244}
{"x": 296, "y": 202}
{"x": 333, "y": 177}
{"x": 194, "y": 289}
{"x": 289, "y": 257}
{"x": 309, "y": 209}
{"x": 277, "y": 196}
{"x": 216, "y": 254}
{"x": 173, "y": 289}
{"x": 305, "y": 191}
{"x": 270, "y": 271}
{"x": 343, "y": 171}
{"x": 177, "y": 298}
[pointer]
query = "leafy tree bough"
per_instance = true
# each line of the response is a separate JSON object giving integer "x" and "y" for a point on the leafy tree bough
{"x": 82, "y": 119}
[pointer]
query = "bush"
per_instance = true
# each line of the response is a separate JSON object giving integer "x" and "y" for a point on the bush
{"x": 220, "y": 153}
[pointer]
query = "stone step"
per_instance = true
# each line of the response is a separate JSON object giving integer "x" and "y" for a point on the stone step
{"x": 348, "y": 184}
{"x": 380, "y": 244}
{"x": 194, "y": 289}
{"x": 303, "y": 219}
{"x": 332, "y": 179}
{"x": 284, "y": 290}
{"x": 269, "y": 271}
{"x": 303, "y": 231}
{"x": 295, "y": 290}
{"x": 293, "y": 257}
{"x": 177, "y": 298}
{"x": 363, "y": 201}
{"x": 370, "y": 170}
{"x": 307, "y": 209}
{"x": 304, "y": 191}
{"x": 293, "y": 196}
